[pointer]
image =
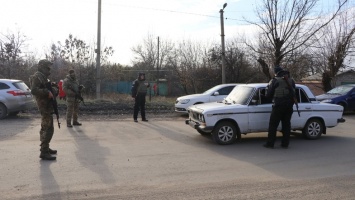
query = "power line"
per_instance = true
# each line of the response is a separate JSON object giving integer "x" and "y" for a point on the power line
{"x": 173, "y": 11}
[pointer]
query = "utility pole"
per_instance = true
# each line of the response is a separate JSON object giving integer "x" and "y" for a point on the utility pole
{"x": 98, "y": 53}
{"x": 157, "y": 87}
{"x": 223, "y": 47}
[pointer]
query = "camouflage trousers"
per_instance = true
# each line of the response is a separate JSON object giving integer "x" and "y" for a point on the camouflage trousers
{"x": 47, "y": 130}
{"x": 72, "y": 111}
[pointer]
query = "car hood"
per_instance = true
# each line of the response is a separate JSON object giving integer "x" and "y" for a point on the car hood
{"x": 327, "y": 96}
{"x": 191, "y": 96}
{"x": 217, "y": 107}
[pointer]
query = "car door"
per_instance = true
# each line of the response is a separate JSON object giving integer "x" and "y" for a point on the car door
{"x": 305, "y": 108}
{"x": 222, "y": 93}
{"x": 259, "y": 112}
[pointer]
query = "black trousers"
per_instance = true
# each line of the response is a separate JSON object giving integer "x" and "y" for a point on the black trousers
{"x": 139, "y": 105}
{"x": 279, "y": 113}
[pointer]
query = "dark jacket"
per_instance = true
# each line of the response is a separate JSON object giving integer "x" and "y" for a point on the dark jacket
{"x": 279, "y": 91}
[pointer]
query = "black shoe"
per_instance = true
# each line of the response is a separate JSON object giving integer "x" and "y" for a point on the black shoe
{"x": 76, "y": 124}
{"x": 47, "y": 156}
{"x": 135, "y": 120}
{"x": 144, "y": 120}
{"x": 268, "y": 146}
{"x": 52, "y": 151}
{"x": 69, "y": 125}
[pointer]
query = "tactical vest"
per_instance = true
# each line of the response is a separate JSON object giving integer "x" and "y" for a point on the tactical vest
{"x": 282, "y": 90}
{"x": 142, "y": 88}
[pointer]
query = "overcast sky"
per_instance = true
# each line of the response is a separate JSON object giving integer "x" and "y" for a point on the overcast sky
{"x": 124, "y": 23}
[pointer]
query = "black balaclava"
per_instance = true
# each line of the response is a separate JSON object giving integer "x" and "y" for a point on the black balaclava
{"x": 139, "y": 76}
{"x": 44, "y": 67}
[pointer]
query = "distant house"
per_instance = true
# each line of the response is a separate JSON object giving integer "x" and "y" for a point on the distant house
{"x": 314, "y": 82}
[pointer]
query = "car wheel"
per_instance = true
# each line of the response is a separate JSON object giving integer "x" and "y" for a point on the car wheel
{"x": 203, "y": 133}
{"x": 225, "y": 133}
{"x": 3, "y": 111}
{"x": 314, "y": 129}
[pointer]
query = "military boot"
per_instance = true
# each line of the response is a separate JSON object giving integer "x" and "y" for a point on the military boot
{"x": 46, "y": 156}
{"x": 76, "y": 123}
{"x": 69, "y": 124}
{"x": 52, "y": 151}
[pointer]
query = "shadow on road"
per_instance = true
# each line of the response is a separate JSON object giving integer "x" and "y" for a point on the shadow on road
{"x": 92, "y": 155}
{"x": 50, "y": 187}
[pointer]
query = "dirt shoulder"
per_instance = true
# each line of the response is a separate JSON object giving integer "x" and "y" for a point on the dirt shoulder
{"x": 113, "y": 111}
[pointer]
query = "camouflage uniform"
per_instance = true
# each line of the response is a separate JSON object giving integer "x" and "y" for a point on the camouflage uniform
{"x": 39, "y": 90}
{"x": 71, "y": 88}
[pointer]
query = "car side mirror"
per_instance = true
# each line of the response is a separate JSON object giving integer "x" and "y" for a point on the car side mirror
{"x": 215, "y": 93}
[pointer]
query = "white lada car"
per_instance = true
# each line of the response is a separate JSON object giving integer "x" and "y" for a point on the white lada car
{"x": 246, "y": 110}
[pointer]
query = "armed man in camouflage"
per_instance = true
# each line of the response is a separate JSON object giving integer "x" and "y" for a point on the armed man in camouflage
{"x": 72, "y": 90}
{"x": 44, "y": 98}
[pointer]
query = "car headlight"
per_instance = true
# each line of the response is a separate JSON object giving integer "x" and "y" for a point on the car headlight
{"x": 327, "y": 101}
{"x": 201, "y": 118}
{"x": 184, "y": 101}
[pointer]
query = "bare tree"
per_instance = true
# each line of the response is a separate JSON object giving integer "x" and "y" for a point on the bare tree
{"x": 336, "y": 42}
{"x": 288, "y": 25}
{"x": 146, "y": 54}
{"x": 11, "y": 52}
{"x": 185, "y": 61}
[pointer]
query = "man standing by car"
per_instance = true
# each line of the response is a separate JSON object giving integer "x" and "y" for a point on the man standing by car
{"x": 139, "y": 91}
{"x": 72, "y": 90}
{"x": 282, "y": 90}
{"x": 39, "y": 88}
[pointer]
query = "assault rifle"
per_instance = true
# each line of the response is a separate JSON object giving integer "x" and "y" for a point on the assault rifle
{"x": 78, "y": 94}
{"x": 49, "y": 86}
{"x": 292, "y": 93}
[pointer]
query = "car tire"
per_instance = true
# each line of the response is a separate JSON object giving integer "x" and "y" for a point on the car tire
{"x": 3, "y": 111}
{"x": 225, "y": 133}
{"x": 204, "y": 133}
{"x": 314, "y": 129}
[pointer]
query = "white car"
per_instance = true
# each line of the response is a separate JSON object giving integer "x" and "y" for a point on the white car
{"x": 215, "y": 94}
{"x": 15, "y": 96}
{"x": 245, "y": 110}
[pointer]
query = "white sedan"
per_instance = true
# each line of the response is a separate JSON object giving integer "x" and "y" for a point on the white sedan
{"x": 217, "y": 93}
{"x": 245, "y": 110}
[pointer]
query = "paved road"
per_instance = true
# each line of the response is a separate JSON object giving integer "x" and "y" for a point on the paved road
{"x": 166, "y": 159}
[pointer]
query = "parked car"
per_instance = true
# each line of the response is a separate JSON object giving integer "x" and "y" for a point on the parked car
{"x": 343, "y": 95}
{"x": 15, "y": 96}
{"x": 246, "y": 110}
{"x": 217, "y": 93}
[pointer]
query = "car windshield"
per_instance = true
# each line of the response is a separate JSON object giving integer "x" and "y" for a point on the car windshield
{"x": 340, "y": 90}
{"x": 211, "y": 90}
{"x": 240, "y": 95}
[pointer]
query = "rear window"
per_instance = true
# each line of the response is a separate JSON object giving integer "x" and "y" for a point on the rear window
{"x": 4, "y": 86}
{"x": 21, "y": 85}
